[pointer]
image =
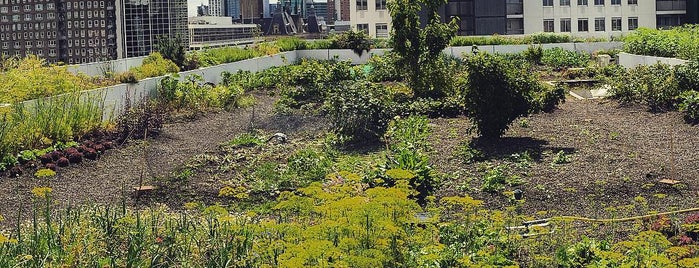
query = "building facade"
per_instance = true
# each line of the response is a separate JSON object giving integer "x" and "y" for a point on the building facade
{"x": 589, "y": 17}
{"x": 217, "y": 8}
{"x": 233, "y": 9}
{"x": 219, "y": 31}
{"x": 59, "y": 31}
{"x": 371, "y": 16}
{"x": 144, "y": 21}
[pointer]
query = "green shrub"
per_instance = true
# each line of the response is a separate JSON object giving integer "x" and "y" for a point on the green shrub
{"x": 357, "y": 41}
{"x": 31, "y": 78}
{"x": 383, "y": 68}
{"x": 126, "y": 77}
{"x": 498, "y": 92}
{"x": 690, "y": 106}
{"x": 687, "y": 75}
{"x": 681, "y": 42}
{"x": 155, "y": 65}
{"x": 194, "y": 96}
{"x": 533, "y": 54}
{"x": 291, "y": 43}
{"x": 560, "y": 58}
{"x": 359, "y": 110}
{"x": 653, "y": 85}
{"x": 308, "y": 165}
{"x": 550, "y": 98}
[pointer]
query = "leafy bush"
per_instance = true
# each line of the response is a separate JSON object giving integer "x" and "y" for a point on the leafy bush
{"x": 653, "y": 85}
{"x": 690, "y": 106}
{"x": 126, "y": 77}
{"x": 560, "y": 58}
{"x": 308, "y": 165}
{"x": 498, "y": 92}
{"x": 357, "y": 41}
{"x": 681, "y": 42}
{"x": 549, "y": 99}
{"x": 32, "y": 78}
{"x": 383, "y": 68}
{"x": 155, "y": 65}
{"x": 539, "y": 38}
{"x": 359, "y": 110}
{"x": 687, "y": 75}
{"x": 172, "y": 49}
{"x": 291, "y": 43}
{"x": 194, "y": 96}
{"x": 533, "y": 54}
{"x": 408, "y": 144}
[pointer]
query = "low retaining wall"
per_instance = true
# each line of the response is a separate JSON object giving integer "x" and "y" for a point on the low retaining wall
{"x": 99, "y": 68}
{"x": 117, "y": 97}
{"x": 632, "y": 60}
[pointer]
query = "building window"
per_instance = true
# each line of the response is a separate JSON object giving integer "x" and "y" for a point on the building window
{"x": 599, "y": 2}
{"x": 583, "y": 25}
{"x": 565, "y": 25}
{"x": 599, "y": 25}
{"x": 548, "y": 26}
{"x": 362, "y": 4}
{"x": 565, "y": 2}
{"x": 633, "y": 2}
{"x": 616, "y": 24}
{"x": 548, "y": 3}
{"x": 380, "y": 4}
{"x": 633, "y": 23}
{"x": 616, "y": 2}
{"x": 363, "y": 27}
{"x": 381, "y": 30}
{"x": 582, "y": 2}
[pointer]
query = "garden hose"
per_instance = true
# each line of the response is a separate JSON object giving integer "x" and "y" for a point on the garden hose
{"x": 546, "y": 222}
{"x": 575, "y": 218}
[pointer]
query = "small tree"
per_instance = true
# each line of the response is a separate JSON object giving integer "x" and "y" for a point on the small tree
{"x": 419, "y": 48}
{"x": 498, "y": 92}
{"x": 172, "y": 49}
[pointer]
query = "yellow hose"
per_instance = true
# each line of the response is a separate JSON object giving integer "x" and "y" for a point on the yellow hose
{"x": 574, "y": 218}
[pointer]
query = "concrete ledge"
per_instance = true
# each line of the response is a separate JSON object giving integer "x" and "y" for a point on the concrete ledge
{"x": 632, "y": 60}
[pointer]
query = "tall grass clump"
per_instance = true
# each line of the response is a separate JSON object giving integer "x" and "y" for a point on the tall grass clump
{"x": 155, "y": 65}
{"x": 43, "y": 122}
{"x": 31, "y": 78}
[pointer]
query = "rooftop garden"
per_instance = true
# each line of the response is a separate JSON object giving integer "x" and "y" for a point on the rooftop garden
{"x": 414, "y": 159}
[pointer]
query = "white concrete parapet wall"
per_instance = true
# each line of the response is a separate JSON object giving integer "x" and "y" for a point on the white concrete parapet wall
{"x": 99, "y": 68}
{"x": 632, "y": 60}
{"x": 118, "y": 96}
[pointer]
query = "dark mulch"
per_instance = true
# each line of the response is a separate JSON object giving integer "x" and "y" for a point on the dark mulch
{"x": 114, "y": 176}
{"x": 616, "y": 154}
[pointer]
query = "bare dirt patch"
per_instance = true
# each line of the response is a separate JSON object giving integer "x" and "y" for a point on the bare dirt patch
{"x": 616, "y": 155}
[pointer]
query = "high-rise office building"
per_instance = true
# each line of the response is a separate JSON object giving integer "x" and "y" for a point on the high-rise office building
{"x": 217, "y": 8}
{"x": 59, "y": 31}
{"x": 233, "y": 9}
{"x": 144, "y": 21}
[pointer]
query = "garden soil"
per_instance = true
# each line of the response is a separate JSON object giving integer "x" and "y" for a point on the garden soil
{"x": 617, "y": 156}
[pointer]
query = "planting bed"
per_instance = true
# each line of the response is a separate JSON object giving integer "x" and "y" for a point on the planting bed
{"x": 615, "y": 155}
